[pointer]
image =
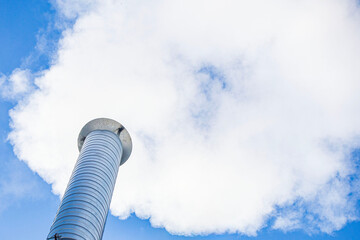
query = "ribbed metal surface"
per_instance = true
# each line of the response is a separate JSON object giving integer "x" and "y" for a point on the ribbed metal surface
{"x": 85, "y": 204}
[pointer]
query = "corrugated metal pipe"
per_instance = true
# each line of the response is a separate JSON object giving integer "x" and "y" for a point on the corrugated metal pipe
{"x": 104, "y": 145}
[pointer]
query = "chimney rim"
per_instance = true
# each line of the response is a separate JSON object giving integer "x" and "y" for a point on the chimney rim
{"x": 112, "y": 126}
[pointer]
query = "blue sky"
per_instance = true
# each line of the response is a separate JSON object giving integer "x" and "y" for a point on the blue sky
{"x": 27, "y": 204}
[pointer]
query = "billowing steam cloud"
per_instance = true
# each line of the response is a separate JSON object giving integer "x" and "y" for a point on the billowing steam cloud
{"x": 240, "y": 111}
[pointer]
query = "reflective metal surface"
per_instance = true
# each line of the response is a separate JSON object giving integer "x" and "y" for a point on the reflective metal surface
{"x": 112, "y": 126}
{"x": 85, "y": 204}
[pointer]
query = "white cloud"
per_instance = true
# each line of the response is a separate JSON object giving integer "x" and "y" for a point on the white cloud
{"x": 237, "y": 110}
{"x": 16, "y": 85}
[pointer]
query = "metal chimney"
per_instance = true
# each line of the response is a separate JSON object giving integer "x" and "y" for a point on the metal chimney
{"x": 104, "y": 145}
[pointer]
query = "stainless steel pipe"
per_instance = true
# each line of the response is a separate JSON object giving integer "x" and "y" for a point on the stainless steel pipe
{"x": 104, "y": 145}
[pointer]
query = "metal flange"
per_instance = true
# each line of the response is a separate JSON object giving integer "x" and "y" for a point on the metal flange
{"x": 112, "y": 126}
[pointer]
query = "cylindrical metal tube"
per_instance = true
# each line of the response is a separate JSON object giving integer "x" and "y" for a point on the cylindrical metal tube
{"x": 85, "y": 204}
